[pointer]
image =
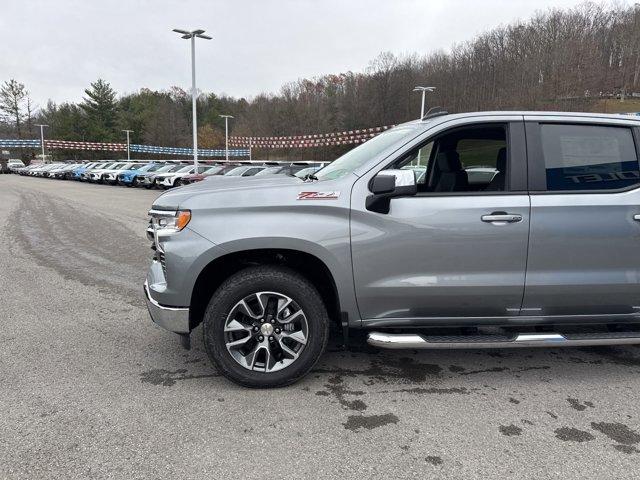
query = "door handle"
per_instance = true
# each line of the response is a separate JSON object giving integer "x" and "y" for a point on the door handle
{"x": 636, "y": 217}
{"x": 501, "y": 217}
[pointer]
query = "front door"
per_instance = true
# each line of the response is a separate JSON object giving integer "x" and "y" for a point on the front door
{"x": 458, "y": 248}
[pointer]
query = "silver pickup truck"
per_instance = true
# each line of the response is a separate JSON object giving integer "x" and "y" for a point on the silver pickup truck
{"x": 477, "y": 230}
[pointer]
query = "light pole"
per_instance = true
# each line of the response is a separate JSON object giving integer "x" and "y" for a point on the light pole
{"x": 42, "y": 138}
{"x": 128, "y": 154}
{"x": 424, "y": 90}
{"x": 192, "y": 36}
{"x": 226, "y": 135}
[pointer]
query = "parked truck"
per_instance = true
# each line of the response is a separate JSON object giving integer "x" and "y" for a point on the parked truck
{"x": 476, "y": 230}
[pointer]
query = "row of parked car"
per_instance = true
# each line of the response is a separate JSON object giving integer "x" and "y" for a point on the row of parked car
{"x": 163, "y": 175}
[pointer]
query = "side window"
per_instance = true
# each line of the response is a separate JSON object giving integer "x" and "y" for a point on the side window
{"x": 588, "y": 157}
{"x": 480, "y": 157}
{"x": 418, "y": 161}
{"x": 471, "y": 159}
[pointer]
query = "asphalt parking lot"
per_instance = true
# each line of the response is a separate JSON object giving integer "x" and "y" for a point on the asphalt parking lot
{"x": 90, "y": 388}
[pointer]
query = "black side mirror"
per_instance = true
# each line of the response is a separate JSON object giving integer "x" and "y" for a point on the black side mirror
{"x": 388, "y": 184}
{"x": 383, "y": 184}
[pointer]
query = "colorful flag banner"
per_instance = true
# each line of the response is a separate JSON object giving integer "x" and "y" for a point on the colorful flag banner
{"x": 120, "y": 147}
{"x": 203, "y": 152}
{"x": 348, "y": 137}
{"x": 9, "y": 143}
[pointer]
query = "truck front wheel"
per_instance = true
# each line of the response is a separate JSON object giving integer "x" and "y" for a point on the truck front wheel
{"x": 266, "y": 326}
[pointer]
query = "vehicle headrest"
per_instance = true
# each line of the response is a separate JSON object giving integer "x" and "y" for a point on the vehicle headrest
{"x": 449, "y": 161}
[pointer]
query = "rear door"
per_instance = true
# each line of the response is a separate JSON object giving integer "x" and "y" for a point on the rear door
{"x": 585, "y": 209}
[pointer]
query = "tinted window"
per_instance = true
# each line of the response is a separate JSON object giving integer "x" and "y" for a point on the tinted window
{"x": 585, "y": 157}
{"x": 472, "y": 159}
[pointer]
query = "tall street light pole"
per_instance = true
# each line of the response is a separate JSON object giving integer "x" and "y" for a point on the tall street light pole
{"x": 191, "y": 35}
{"x": 42, "y": 138}
{"x": 226, "y": 135}
{"x": 424, "y": 90}
{"x": 128, "y": 154}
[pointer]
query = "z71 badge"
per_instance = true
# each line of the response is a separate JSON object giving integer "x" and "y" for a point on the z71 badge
{"x": 318, "y": 195}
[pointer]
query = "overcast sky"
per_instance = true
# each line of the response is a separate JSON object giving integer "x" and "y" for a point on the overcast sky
{"x": 57, "y": 47}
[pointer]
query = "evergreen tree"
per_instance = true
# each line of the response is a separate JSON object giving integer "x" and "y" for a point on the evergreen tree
{"x": 100, "y": 107}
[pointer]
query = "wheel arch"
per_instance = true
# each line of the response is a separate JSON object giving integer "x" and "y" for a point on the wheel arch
{"x": 218, "y": 270}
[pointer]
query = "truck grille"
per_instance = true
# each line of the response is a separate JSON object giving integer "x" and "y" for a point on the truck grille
{"x": 159, "y": 254}
{"x": 160, "y": 257}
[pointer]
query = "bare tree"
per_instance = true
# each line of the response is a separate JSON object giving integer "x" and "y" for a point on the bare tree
{"x": 12, "y": 98}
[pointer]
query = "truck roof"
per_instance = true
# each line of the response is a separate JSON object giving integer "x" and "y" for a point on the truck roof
{"x": 442, "y": 116}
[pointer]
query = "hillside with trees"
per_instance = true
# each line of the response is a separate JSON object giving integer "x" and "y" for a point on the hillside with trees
{"x": 583, "y": 59}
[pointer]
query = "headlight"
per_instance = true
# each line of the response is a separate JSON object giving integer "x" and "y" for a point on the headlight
{"x": 169, "y": 221}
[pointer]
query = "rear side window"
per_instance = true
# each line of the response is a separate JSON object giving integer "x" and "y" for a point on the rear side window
{"x": 588, "y": 157}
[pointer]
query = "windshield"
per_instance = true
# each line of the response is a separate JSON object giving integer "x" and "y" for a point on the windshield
{"x": 185, "y": 169}
{"x": 213, "y": 170}
{"x": 357, "y": 157}
{"x": 236, "y": 172}
{"x": 147, "y": 168}
{"x": 270, "y": 171}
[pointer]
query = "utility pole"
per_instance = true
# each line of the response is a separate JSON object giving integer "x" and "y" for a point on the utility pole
{"x": 128, "y": 153}
{"x": 424, "y": 90}
{"x": 42, "y": 139}
{"x": 226, "y": 135}
{"x": 191, "y": 35}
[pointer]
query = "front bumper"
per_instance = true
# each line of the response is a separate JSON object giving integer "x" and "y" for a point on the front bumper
{"x": 170, "y": 318}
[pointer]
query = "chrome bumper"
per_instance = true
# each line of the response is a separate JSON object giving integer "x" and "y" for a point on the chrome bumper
{"x": 170, "y": 318}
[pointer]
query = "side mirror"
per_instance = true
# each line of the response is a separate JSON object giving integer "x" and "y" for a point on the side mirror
{"x": 388, "y": 184}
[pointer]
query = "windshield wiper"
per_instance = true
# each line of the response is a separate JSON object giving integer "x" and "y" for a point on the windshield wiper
{"x": 311, "y": 176}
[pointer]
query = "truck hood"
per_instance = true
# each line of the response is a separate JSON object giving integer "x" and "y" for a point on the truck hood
{"x": 222, "y": 184}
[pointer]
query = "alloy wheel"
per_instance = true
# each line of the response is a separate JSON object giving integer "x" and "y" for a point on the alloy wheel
{"x": 266, "y": 331}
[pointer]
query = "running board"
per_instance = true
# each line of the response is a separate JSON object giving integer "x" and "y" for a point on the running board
{"x": 413, "y": 341}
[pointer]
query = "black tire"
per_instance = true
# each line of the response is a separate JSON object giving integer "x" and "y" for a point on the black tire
{"x": 265, "y": 278}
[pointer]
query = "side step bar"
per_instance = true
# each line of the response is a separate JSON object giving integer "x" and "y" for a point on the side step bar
{"x": 528, "y": 340}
